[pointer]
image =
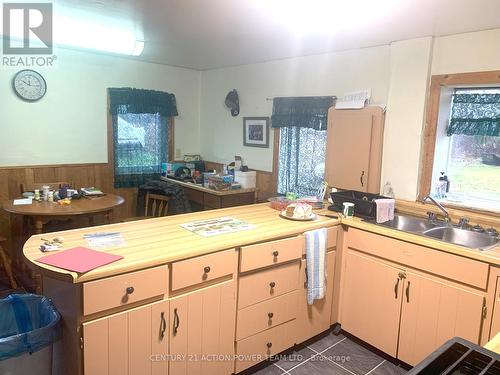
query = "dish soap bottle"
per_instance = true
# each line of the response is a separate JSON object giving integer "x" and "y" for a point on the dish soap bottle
{"x": 446, "y": 183}
{"x": 388, "y": 191}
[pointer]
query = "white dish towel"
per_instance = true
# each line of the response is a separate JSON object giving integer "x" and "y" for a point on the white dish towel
{"x": 316, "y": 264}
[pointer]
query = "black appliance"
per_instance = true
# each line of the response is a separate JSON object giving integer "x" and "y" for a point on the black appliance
{"x": 459, "y": 357}
{"x": 364, "y": 203}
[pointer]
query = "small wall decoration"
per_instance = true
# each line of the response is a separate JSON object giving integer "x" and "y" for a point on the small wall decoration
{"x": 256, "y": 131}
{"x": 233, "y": 102}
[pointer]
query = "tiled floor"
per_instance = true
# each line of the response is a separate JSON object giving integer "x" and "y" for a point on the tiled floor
{"x": 331, "y": 355}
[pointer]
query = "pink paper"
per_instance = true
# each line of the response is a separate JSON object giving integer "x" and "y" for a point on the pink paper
{"x": 79, "y": 259}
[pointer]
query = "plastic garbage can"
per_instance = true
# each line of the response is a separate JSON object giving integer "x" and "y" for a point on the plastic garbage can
{"x": 29, "y": 325}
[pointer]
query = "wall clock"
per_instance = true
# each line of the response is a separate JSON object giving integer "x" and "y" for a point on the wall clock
{"x": 29, "y": 85}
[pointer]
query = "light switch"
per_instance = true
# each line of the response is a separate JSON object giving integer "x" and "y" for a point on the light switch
{"x": 177, "y": 153}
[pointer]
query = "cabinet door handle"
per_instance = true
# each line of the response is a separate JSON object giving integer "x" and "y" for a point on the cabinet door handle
{"x": 269, "y": 345}
{"x": 270, "y": 315}
{"x": 177, "y": 322}
{"x": 272, "y": 284}
{"x": 396, "y": 287}
{"x": 276, "y": 253}
{"x": 163, "y": 325}
{"x": 206, "y": 269}
{"x": 361, "y": 178}
{"x": 408, "y": 293}
{"x": 130, "y": 290}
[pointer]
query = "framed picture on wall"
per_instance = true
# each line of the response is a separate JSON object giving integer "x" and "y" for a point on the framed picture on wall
{"x": 256, "y": 131}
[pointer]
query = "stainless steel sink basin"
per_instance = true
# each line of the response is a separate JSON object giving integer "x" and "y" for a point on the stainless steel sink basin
{"x": 462, "y": 237}
{"x": 409, "y": 224}
{"x": 442, "y": 231}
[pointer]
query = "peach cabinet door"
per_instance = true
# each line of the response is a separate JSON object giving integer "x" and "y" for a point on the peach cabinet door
{"x": 371, "y": 301}
{"x": 128, "y": 343}
{"x": 348, "y": 149}
{"x": 434, "y": 312}
{"x": 314, "y": 319}
{"x": 202, "y": 329}
{"x": 495, "y": 323}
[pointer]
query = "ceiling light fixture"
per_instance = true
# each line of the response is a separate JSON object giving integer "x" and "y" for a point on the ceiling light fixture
{"x": 74, "y": 28}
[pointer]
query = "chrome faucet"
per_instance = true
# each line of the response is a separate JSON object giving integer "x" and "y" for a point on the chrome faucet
{"x": 438, "y": 205}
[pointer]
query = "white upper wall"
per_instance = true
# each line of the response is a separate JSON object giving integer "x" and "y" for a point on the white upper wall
{"x": 470, "y": 52}
{"x": 69, "y": 125}
{"x": 328, "y": 74}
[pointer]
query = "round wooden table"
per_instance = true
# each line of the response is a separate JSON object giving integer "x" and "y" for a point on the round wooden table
{"x": 42, "y": 212}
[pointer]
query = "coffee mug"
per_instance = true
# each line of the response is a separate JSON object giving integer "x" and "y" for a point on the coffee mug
{"x": 348, "y": 210}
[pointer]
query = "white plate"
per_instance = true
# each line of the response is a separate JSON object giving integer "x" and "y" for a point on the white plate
{"x": 312, "y": 217}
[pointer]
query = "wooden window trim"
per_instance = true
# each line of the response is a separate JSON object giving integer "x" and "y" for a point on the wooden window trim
{"x": 438, "y": 82}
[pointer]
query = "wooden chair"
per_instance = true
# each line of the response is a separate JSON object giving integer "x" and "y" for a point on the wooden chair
{"x": 156, "y": 205}
{"x": 31, "y": 186}
{"x": 4, "y": 260}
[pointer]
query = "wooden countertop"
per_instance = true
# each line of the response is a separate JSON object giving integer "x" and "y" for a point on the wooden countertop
{"x": 491, "y": 256}
{"x": 158, "y": 241}
{"x": 494, "y": 344}
{"x": 153, "y": 242}
{"x": 194, "y": 186}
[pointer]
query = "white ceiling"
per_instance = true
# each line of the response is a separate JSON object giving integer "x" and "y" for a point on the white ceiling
{"x": 207, "y": 34}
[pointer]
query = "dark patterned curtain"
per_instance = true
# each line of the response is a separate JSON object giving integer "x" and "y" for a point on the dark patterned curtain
{"x": 129, "y": 100}
{"x": 302, "y": 122}
{"x": 140, "y": 133}
{"x": 306, "y": 112}
{"x": 475, "y": 114}
{"x": 301, "y": 160}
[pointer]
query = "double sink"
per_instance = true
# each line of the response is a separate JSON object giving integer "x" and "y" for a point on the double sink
{"x": 443, "y": 232}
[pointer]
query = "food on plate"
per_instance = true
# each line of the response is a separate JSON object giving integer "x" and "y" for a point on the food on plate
{"x": 298, "y": 211}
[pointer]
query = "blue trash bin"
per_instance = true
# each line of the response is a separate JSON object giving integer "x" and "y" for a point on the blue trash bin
{"x": 29, "y": 325}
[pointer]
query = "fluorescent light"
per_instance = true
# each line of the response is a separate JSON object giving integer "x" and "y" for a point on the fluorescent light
{"x": 98, "y": 33}
{"x": 76, "y": 28}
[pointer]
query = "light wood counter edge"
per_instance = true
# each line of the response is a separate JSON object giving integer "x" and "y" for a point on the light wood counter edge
{"x": 491, "y": 256}
{"x": 494, "y": 344}
{"x": 120, "y": 267}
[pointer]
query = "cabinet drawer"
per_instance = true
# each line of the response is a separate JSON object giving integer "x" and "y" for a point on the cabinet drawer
{"x": 269, "y": 253}
{"x": 266, "y": 284}
{"x": 124, "y": 289}
{"x": 267, "y": 314}
{"x": 211, "y": 201}
{"x": 259, "y": 347}
{"x": 441, "y": 263}
{"x": 203, "y": 268}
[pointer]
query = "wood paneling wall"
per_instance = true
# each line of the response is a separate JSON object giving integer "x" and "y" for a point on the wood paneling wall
{"x": 99, "y": 175}
{"x": 80, "y": 175}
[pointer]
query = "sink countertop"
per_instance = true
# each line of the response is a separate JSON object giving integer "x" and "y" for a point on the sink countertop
{"x": 491, "y": 256}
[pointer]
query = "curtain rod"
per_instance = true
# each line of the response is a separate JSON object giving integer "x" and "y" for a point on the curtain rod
{"x": 311, "y": 96}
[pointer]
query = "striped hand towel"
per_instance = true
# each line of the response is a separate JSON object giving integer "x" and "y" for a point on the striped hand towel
{"x": 316, "y": 264}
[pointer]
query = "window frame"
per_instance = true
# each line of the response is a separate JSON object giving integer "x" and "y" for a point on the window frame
{"x": 111, "y": 146}
{"x": 437, "y": 84}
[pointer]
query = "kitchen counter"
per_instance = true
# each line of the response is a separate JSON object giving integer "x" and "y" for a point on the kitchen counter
{"x": 491, "y": 256}
{"x": 158, "y": 241}
{"x": 203, "y": 189}
{"x": 494, "y": 344}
